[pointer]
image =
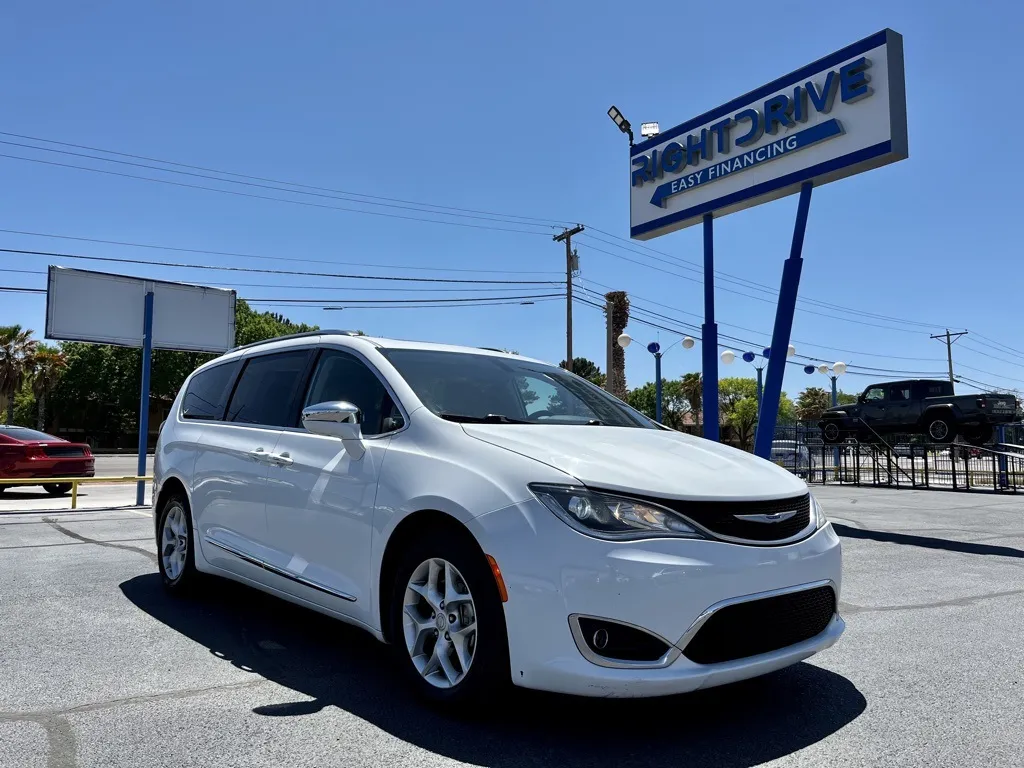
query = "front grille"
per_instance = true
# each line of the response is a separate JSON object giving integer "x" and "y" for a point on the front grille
{"x": 761, "y": 626}
{"x": 719, "y": 517}
{"x": 60, "y": 451}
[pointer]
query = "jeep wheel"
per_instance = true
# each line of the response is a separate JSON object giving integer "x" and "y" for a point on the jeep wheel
{"x": 831, "y": 434}
{"x": 978, "y": 435}
{"x": 940, "y": 429}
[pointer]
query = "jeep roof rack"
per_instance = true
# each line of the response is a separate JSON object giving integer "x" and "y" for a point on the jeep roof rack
{"x": 325, "y": 332}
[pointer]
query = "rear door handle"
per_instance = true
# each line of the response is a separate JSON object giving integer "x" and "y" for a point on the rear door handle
{"x": 281, "y": 459}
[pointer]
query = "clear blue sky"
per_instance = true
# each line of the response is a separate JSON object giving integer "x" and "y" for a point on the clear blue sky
{"x": 467, "y": 105}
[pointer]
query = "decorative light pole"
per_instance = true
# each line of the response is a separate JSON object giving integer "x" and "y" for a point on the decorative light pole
{"x": 655, "y": 349}
{"x": 728, "y": 356}
{"x": 837, "y": 370}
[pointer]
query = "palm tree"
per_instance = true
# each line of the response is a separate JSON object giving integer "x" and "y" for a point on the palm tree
{"x": 16, "y": 350}
{"x": 48, "y": 366}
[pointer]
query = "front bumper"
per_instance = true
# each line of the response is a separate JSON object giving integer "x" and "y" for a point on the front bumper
{"x": 663, "y": 586}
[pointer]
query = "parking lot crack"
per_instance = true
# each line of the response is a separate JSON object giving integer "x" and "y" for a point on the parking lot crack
{"x": 86, "y": 540}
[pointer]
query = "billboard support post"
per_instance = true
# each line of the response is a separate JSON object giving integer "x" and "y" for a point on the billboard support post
{"x": 709, "y": 336}
{"x": 769, "y": 414}
{"x": 147, "y": 363}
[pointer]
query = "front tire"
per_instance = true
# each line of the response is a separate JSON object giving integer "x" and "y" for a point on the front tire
{"x": 57, "y": 489}
{"x": 940, "y": 429}
{"x": 175, "y": 545}
{"x": 831, "y": 434}
{"x": 447, "y": 621}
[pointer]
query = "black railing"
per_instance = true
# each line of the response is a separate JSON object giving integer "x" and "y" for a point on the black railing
{"x": 899, "y": 461}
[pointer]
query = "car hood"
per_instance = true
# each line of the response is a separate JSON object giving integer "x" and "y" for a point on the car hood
{"x": 645, "y": 461}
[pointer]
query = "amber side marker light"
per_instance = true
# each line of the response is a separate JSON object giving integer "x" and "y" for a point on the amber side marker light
{"x": 502, "y": 592}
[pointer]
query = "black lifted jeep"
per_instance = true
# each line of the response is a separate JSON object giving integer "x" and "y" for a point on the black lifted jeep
{"x": 918, "y": 406}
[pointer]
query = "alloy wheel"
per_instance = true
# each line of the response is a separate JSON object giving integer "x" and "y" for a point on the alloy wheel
{"x": 439, "y": 623}
{"x": 938, "y": 430}
{"x": 174, "y": 542}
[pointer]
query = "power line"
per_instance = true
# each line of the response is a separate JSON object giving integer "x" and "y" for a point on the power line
{"x": 254, "y": 196}
{"x": 332, "y": 300}
{"x": 696, "y": 266}
{"x": 549, "y": 222}
{"x": 272, "y": 187}
{"x": 270, "y": 258}
{"x": 149, "y": 262}
{"x": 795, "y": 341}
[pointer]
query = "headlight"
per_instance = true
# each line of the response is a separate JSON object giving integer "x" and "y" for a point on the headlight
{"x": 612, "y": 517}
{"x": 819, "y": 513}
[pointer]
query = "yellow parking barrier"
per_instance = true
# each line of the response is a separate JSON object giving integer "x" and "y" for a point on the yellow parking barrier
{"x": 75, "y": 482}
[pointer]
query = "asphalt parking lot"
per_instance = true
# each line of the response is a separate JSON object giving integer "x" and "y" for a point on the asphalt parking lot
{"x": 99, "y": 667}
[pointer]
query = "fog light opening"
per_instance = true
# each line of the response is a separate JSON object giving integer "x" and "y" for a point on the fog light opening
{"x": 600, "y": 639}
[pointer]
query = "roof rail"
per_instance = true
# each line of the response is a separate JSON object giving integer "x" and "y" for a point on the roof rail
{"x": 325, "y": 332}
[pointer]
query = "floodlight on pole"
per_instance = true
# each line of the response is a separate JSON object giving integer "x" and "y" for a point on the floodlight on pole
{"x": 620, "y": 120}
{"x": 647, "y": 130}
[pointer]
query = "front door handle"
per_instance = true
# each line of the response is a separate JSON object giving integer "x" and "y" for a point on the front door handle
{"x": 259, "y": 455}
{"x": 281, "y": 459}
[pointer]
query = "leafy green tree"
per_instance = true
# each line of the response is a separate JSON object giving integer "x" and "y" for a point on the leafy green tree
{"x": 811, "y": 403}
{"x": 673, "y": 404}
{"x": 743, "y": 418}
{"x": 844, "y": 399}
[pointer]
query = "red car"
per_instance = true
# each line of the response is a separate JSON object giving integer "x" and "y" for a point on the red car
{"x": 35, "y": 456}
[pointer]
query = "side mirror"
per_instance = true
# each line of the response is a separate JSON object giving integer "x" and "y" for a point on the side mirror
{"x": 336, "y": 419}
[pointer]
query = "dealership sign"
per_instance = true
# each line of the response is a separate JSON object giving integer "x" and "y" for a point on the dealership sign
{"x": 841, "y": 115}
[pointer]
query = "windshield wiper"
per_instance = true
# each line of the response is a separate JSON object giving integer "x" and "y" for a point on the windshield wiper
{"x": 490, "y": 418}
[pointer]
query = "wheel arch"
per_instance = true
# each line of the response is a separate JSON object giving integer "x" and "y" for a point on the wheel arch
{"x": 406, "y": 531}
{"x": 171, "y": 485}
{"x": 934, "y": 411}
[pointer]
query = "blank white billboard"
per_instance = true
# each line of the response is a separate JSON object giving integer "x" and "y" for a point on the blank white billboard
{"x": 102, "y": 308}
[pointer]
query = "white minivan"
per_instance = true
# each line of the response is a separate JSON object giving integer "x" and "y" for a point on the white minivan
{"x": 492, "y": 517}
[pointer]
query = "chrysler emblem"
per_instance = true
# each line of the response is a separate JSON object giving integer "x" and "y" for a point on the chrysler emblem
{"x": 774, "y": 517}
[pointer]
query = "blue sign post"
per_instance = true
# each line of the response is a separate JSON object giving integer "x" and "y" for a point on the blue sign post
{"x": 147, "y": 362}
{"x": 709, "y": 334}
{"x": 769, "y": 414}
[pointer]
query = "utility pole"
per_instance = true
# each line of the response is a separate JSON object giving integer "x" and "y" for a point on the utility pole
{"x": 571, "y": 264}
{"x": 949, "y": 339}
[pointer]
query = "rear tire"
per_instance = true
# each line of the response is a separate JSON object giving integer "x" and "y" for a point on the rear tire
{"x": 978, "y": 435}
{"x": 940, "y": 429}
{"x": 57, "y": 489}
{"x": 175, "y": 546}
{"x": 457, "y": 662}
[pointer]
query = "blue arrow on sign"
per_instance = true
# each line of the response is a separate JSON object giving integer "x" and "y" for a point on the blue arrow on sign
{"x": 754, "y": 157}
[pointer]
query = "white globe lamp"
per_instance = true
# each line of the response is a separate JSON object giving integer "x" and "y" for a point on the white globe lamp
{"x": 728, "y": 356}
{"x": 625, "y": 340}
{"x": 839, "y": 368}
{"x": 687, "y": 342}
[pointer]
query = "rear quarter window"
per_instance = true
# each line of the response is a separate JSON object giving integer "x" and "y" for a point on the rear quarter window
{"x": 207, "y": 393}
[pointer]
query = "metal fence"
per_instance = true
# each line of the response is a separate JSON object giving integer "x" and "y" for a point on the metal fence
{"x": 900, "y": 461}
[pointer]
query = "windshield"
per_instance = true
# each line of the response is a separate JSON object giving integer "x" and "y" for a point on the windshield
{"x": 25, "y": 434}
{"x": 465, "y": 387}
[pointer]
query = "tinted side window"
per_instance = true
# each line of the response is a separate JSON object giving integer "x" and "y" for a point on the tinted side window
{"x": 899, "y": 392}
{"x": 207, "y": 392}
{"x": 875, "y": 393}
{"x": 267, "y": 389}
{"x": 340, "y": 376}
